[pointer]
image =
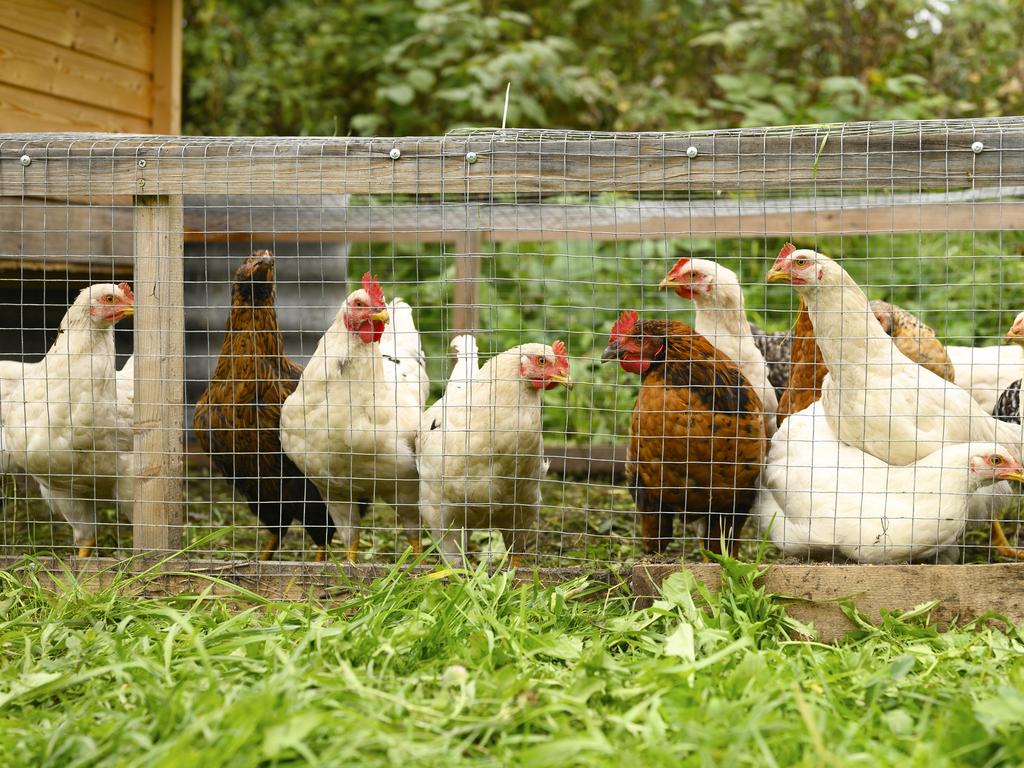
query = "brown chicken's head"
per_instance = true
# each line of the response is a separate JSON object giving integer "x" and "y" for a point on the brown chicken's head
{"x": 254, "y": 279}
{"x": 1016, "y": 333}
{"x": 801, "y": 267}
{"x": 628, "y": 344}
{"x": 545, "y": 367}
{"x": 995, "y": 464}
{"x": 108, "y": 303}
{"x": 365, "y": 313}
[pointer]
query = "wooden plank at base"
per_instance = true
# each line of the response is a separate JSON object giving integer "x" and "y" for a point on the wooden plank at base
{"x": 281, "y": 580}
{"x": 812, "y": 592}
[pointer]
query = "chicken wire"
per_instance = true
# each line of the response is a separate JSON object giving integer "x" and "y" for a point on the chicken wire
{"x": 537, "y": 237}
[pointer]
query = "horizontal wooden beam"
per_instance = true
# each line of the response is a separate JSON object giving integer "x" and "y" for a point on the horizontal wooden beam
{"x": 812, "y": 593}
{"x": 870, "y": 158}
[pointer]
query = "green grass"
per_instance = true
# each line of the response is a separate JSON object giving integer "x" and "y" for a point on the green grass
{"x": 475, "y": 670}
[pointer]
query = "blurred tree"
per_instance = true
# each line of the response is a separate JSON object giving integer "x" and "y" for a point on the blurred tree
{"x": 405, "y": 68}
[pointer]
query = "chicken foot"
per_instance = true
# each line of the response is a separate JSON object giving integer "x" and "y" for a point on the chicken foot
{"x": 1002, "y": 544}
{"x": 269, "y": 548}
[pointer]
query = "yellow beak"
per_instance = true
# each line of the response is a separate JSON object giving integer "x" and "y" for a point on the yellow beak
{"x": 127, "y": 311}
{"x": 776, "y": 275}
{"x": 382, "y": 316}
{"x": 668, "y": 282}
{"x": 565, "y": 380}
{"x": 1017, "y": 474}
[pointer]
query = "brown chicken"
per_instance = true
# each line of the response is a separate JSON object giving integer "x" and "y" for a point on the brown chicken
{"x": 237, "y": 419}
{"x": 697, "y": 439}
{"x": 807, "y": 368}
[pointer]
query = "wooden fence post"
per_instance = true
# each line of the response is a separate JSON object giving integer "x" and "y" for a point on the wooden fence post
{"x": 158, "y": 517}
{"x": 466, "y": 293}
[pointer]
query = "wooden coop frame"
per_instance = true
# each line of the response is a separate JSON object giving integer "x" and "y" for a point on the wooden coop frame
{"x": 977, "y": 166}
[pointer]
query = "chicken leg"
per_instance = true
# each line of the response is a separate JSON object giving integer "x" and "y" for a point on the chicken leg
{"x": 268, "y": 550}
{"x": 1002, "y": 544}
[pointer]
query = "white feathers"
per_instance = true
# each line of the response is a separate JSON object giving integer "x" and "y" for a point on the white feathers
{"x": 822, "y": 498}
{"x": 986, "y": 372}
{"x": 62, "y": 421}
{"x": 351, "y": 423}
{"x": 480, "y": 457}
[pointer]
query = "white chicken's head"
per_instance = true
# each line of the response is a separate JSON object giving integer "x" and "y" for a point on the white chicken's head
{"x": 1016, "y": 333}
{"x": 543, "y": 366}
{"x": 104, "y": 304}
{"x": 364, "y": 312}
{"x": 994, "y": 463}
{"x": 703, "y": 281}
{"x": 803, "y": 267}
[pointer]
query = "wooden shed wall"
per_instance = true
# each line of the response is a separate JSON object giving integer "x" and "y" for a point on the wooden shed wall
{"x": 90, "y": 65}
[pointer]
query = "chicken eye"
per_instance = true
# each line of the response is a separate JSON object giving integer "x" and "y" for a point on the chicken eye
{"x": 800, "y": 263}
{"x": 995, "y": 461}
{"x": 109, "y": 298}
{"x": 542, "y": 360}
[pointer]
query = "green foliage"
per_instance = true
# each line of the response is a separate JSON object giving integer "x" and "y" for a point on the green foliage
{"x": 479, "y": 670}
{"x": 393, "y": 67}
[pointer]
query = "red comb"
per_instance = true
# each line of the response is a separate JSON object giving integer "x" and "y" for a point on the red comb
{"x": 127, "y": 289}
{"x": 679, "y": 264}
{"x": 561, "y": 353}
{"x": 787, "y": 249}
{"x": 372, "y": 287}
{"x": 624, "y": 325}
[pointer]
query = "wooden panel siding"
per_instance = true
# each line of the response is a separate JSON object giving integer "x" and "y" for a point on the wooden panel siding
{"x": 38, "y": 65}
{"x": 91, "y": 66}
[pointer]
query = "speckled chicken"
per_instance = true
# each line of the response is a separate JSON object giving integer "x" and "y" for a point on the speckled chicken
{"x": 697, "y": 437}
{"x": 237, "y": 419}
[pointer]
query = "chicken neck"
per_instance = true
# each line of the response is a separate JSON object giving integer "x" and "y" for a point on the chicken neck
{"x": 847, "y": 332}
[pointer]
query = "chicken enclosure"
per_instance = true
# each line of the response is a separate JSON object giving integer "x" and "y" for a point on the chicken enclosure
{"x": 262, "y": 283}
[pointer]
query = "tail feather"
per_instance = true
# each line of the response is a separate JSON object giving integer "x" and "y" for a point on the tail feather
{"x": 404, "y": 365}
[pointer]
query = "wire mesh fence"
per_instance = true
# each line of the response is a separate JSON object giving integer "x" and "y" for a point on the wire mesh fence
{"x": 550, "y": 348}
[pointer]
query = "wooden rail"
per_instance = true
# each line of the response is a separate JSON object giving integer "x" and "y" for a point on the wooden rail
{"x": 871, "y": 157}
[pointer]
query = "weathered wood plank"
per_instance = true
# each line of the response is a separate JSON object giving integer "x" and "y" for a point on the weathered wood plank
{"x": 158, "y": 516}
{"x": 25, "y": 110}
{"x": 466, "y": 291}
{"x": 873, "y": 159}
{"x": 35, "y": 227}
{"x": 813, "y": 592}
{"x": 166, "y": 106}
{"x": 139, "y": 11}
{"x": 278, "y": 580}
{"x": 83, "y": 27}
{"x": 37, "y": 65}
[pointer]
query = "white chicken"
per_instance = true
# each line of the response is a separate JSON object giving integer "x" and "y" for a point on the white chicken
{"x": 481, "y": 462}
{"x": 820, "y": 497}
{"x": 986, "y": 372}
{"x": 62, "y": 423}
{"x": 874, "y": 397}
{"x": 721, "y": 319}
{"x": 351, "y": 423}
